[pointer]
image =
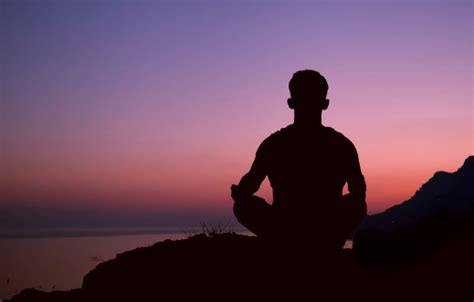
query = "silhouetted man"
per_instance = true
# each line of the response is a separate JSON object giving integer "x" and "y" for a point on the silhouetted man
{"x": 308, "y": 165}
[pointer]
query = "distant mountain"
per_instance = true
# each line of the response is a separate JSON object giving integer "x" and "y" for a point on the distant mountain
{"x": 452, "y": 192}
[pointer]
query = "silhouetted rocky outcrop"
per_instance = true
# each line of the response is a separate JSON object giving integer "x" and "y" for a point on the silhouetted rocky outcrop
{"x": 404, "y": 266}
{"x": 432, "y": 256}
{"x": 224, "y": 267}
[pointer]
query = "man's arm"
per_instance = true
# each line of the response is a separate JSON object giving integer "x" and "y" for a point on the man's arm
{"x": 356, "y": 183}
{"x": 250, "y": 182}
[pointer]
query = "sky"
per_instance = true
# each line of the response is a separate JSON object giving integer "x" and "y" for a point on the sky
{"x": 143, "y": 113}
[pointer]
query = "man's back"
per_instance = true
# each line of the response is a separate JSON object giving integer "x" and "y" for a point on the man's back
{"x": 307, "y": 168}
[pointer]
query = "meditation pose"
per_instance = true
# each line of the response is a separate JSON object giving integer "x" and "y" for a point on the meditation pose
{"x": 308, "y": 165}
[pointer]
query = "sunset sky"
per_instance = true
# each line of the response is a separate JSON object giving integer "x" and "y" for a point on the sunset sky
{"x": 126, "y": 113}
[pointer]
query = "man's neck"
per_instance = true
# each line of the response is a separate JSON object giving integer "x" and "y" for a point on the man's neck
{"x": 304, "y": 120}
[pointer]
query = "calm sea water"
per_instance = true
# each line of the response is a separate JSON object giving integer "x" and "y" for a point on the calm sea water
{"x": 60, "y": 263}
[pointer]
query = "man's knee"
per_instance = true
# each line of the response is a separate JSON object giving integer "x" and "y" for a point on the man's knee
{"x": 254, "y": 213}
{"x": 239, "y": 210}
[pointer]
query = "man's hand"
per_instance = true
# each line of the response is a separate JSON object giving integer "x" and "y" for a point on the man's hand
{"x": 237, "y": 194}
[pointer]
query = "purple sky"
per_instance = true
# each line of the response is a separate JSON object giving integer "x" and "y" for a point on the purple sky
{"x": 144, "y": 112}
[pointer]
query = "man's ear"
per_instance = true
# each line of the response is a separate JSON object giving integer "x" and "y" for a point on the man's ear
{"x": 291, "y": 103}
{"x": 325, "y": 104}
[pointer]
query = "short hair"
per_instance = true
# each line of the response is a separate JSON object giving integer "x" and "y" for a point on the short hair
{"x": 305, "y": 82}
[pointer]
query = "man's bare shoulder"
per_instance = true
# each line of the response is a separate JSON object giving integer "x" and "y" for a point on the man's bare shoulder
{"x": 341, "y": 139}
{"x": 337, "y": 135}
{"x": 274, "y": 139}
{"x": 282, "y": 133}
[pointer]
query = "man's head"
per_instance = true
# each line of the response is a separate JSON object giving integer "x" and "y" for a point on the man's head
{"x": 308, "y": 90}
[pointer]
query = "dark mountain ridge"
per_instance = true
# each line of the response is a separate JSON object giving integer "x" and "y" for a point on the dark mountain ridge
{"x": 452, "y": 192}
